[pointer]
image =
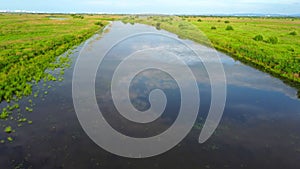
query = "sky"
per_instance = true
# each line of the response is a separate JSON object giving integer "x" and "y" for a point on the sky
{"x": 156, "y": 6}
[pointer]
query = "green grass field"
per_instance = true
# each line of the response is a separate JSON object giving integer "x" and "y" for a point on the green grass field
{"x": 273, "y": 44}
{"x": 269, "y": 44}
{"x": 31, "y": 43}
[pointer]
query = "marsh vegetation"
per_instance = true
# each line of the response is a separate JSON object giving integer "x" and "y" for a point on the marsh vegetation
{"x": 32, "y": 47}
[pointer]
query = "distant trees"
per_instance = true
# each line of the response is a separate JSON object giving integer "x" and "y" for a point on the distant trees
{"x": 77, "y": 16}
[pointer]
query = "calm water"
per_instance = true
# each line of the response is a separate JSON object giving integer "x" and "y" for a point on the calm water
{"x": 260, "y": 127}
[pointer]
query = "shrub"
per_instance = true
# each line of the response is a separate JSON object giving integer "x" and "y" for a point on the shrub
{"x": 293, "y": 33}
{"x": 227, "y": 22}
{"x": 99, "y": 24}
{"x": 229, "y": 28}
{"x": 199, "y": 20}
{"x": 77, "y": 16}
{"x": 272, "y": 40}
{"x": 213, "y": 28}
{"x": 158, "y": 25}
{"x": 258, "y": 38}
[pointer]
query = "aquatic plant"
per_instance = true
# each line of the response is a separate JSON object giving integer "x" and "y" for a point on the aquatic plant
{"x": 29, "y": 109}
{"x": 22, "y": 120}
{"x": 4, "y": 114}
{"x": 8, "y": 129}
{"x": 10, "y": 139}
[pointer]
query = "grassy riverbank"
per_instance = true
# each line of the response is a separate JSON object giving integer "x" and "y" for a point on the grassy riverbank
{"x": 31, "y": 43}
{"x": 269, "y": 44}
{"x": 36, "y": 48}
{"x": 272, "y": 44}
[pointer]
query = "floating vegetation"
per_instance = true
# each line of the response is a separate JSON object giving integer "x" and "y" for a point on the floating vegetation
{"x": 28, "y": 109}
{"x": 4, "y": 114}
{"x": 198, "y": 126}
{"x": 8, "y": 129}
{"x": 10, "y": 139}
{"x": 22, "y": 120}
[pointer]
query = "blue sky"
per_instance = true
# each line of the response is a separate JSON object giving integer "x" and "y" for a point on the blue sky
{"x": 157, "y": 6}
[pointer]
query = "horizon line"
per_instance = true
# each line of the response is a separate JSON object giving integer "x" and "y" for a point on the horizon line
{"x": 148, "y": 13}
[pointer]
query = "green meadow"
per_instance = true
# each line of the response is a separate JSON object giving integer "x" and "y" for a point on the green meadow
{"x": 272, "y": 44}
{"x": 32, "y": 43}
